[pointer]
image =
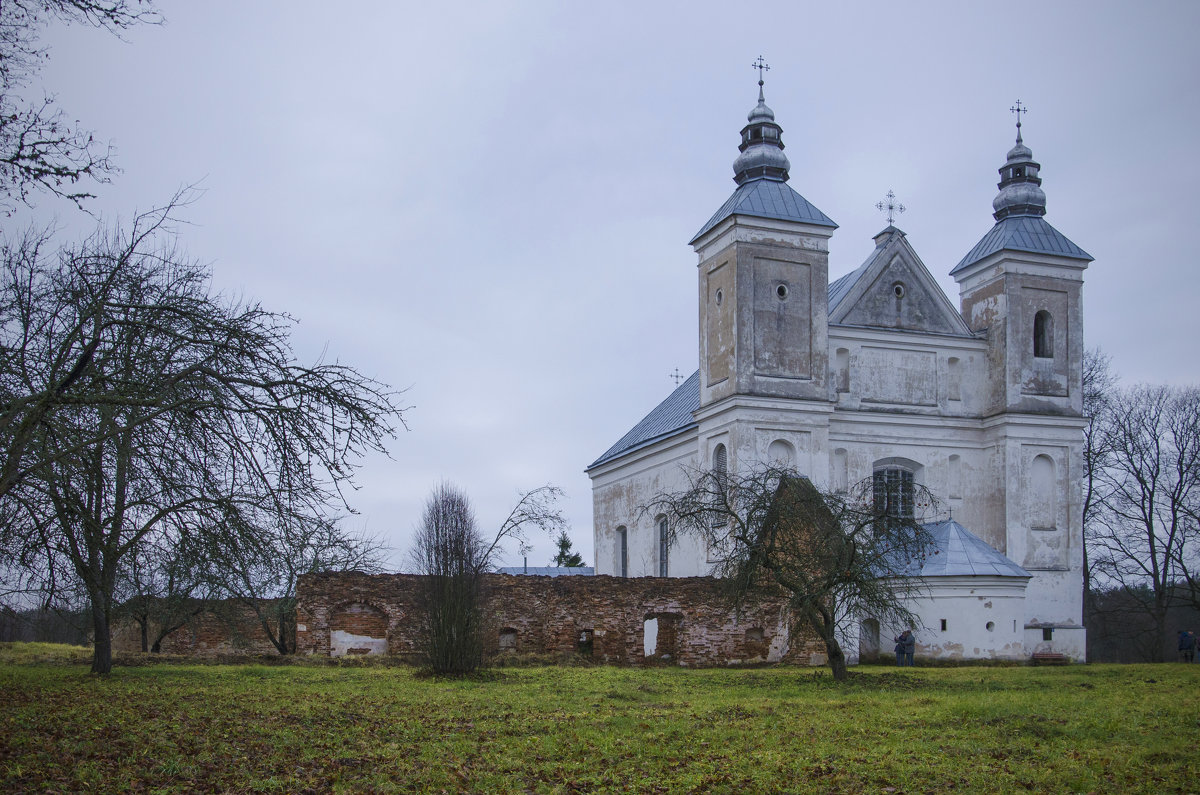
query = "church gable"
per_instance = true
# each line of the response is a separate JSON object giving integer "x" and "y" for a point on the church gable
{"x": 895, "y": 290}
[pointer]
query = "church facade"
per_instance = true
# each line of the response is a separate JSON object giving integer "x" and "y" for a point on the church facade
{"x": 877, "y": 374}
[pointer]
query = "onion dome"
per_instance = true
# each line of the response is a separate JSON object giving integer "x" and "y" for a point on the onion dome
{"x": 1020, "y": 185}
{"x": 761, "y": 149}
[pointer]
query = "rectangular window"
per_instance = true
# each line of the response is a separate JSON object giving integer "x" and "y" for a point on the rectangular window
{"x": 1047, "y": 633}
{"x": 943, "y": 625}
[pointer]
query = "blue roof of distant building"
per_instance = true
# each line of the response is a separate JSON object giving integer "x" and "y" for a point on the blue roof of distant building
{"x": 549, "y": 571}
{"x": 957, "y": 552}
{"x": 767, "y": 198}
{"x": 1030, "y": 233}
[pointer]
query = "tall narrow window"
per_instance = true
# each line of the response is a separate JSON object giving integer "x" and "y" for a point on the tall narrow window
{"x": 953, "y": 379}
{"x": 622, "y": 551}
{"x": 664, "y": 542}
{"x": 1042, "y": 488}
{"x": 1043, "y": 335}
{"x": 721, "y": 474}
{"x": 841, "y": 358}
{"x": 893, "y": 492}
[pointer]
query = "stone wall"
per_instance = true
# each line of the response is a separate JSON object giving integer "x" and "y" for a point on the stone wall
{"x": 224, "y": 627}
{"x": 612, "y": 619}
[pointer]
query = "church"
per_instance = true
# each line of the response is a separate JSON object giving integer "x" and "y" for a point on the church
{"x": 877, "y": 375}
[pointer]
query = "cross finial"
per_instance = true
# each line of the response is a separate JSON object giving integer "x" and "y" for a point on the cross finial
{"x": 761, "y": 66}
{"x": 891, "y": 206}
{"x": 678, "y": 376}
{"x": 1018, "y": 109}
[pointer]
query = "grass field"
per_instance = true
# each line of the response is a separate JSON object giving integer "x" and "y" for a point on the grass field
{"x": 309, "y": 728}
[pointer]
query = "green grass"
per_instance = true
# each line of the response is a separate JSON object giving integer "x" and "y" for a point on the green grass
{"x": 257, "y": 728}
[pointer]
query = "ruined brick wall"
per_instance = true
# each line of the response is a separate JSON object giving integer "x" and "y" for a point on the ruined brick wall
{"x": 608, "y": 617}
{"x": 226, "y": 627}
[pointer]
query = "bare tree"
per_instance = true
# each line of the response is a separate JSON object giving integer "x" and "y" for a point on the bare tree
{"x": 258, "y": 567}
{"x": 40, "y": 149}
{"x": 136, "y": 403}
{"x": 1099, "y": 382}
{"x": 1146, "y": 540}
{"x": 453, "y": 554}
{"x": 838, "y": 557}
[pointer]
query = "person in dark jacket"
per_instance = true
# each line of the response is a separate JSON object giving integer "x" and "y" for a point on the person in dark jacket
{"x": 1187, "y": 646}
{"x": 906, "y": 643}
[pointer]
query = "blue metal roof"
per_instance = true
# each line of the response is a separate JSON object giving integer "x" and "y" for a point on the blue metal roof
{"x": 549, "y": 571}
{"x": 767, "y": 198}
{"x": 671, "y": 416}
{"x": 957, "y": 552}
{"x": 1022, "y": 233}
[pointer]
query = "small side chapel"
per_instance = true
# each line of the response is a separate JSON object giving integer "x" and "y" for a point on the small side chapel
{"x": 876, "y": 374}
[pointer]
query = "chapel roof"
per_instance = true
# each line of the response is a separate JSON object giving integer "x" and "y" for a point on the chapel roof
{"x": 957, "y": 552}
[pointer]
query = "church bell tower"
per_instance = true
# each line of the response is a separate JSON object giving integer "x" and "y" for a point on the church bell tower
{"x": 763, "y": 301}
{"x": 764, "y": 274}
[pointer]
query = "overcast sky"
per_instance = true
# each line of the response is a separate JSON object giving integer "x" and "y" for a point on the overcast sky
{"x": 489, "y": 205}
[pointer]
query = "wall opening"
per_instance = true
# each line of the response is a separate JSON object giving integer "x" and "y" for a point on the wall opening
{"x": 357, "y": 628}
{"x": 584, "y": 642}
{"x": 508, "y": 639}
{"x": 756, "y": 644}
{"x": 660, "y": 635}
{"x": 841, "y": 358}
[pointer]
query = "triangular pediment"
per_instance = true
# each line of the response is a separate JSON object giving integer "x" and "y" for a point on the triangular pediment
{"x": 894, "y": 290}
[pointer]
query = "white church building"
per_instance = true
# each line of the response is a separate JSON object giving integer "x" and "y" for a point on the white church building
{"x": 877, "y": 374}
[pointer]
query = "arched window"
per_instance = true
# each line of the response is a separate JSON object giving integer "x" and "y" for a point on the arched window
{"x": 664, "y": 543}
{"x": 1042, "y": 492}
{"x": 893, "y": 492}
{"x": 720, "y": 467}
{"x": 781, "y": 453}
{"x": 1043, "y": 335}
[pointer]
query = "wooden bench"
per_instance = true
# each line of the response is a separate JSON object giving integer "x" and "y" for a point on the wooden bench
{"x": 1049, "y": 658}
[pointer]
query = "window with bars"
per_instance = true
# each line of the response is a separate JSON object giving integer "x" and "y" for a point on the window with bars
{"x": 893, "y": 492}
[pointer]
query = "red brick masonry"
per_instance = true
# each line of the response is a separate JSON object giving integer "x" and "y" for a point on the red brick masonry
{"x": 606, "y": 617}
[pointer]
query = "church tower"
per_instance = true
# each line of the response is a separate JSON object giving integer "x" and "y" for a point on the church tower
{"x": 1022, "y": 286}
{"x": 763, "y": 279}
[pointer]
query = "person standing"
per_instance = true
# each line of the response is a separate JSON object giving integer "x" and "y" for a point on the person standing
{"x": 1187, "y": 646}
{"x": 906, "y": 644}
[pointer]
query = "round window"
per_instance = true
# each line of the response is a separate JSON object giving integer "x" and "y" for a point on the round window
{"x": 720, "y": 297}
{"x": 898, "y": 289}
{"x": 991, "y": 625}
{"x": 781, "y": 291}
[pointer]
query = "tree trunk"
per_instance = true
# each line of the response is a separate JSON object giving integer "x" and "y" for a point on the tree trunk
{"x": 837, "y": 659}
{"x": 102, "y": 640}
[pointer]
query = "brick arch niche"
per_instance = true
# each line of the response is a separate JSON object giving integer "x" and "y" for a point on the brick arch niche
{"x": 357, "y": 628}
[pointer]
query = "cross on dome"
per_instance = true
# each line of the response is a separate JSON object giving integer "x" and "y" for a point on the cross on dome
{"x": 761, "y": 66}
{"x": 1018, "y": 109}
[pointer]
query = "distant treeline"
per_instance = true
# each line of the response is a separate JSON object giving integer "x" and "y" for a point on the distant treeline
{"x": 46, "y": 626}
{"x": 1121, "y": 626}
